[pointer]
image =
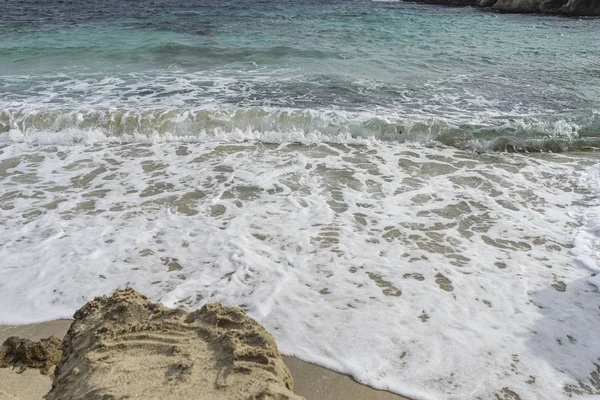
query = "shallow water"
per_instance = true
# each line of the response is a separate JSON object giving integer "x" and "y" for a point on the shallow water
{"x": 395, "y": 71}
{"x": 427, "y": 271}
{"x": 329, "y": 167}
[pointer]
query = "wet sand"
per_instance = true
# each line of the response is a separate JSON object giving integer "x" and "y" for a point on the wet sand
{"x": 311, "y": 381}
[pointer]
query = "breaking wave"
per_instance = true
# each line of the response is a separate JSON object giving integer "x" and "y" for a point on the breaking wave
{"x": 275, "y": 125}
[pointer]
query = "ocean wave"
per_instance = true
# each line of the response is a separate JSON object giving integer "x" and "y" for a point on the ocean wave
{"x": 284, "y": 125}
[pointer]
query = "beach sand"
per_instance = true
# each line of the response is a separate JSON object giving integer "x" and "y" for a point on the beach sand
{"x": 311, "y": 381}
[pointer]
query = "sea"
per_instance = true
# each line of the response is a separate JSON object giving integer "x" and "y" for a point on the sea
{"x": 408, "y": 194}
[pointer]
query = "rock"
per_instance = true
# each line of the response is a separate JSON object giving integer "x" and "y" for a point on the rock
{"x": 25, "y": 353}
{"x": 564, "y": 7}
{"x": 125, "y": 346}
{"x": 580, "y": 8}
{"x": 451, "y": 2}
{"x": 486, "y": 3}
{"x": 517, "y": 6}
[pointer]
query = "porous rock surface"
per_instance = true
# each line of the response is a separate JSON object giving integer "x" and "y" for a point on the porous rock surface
{"x": 125, "y": 346}
{"x": 25, "y": 353}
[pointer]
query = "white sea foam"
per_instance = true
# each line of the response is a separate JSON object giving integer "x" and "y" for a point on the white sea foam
{"x": 430, "y": 272}
{"x": 586, "y": 244}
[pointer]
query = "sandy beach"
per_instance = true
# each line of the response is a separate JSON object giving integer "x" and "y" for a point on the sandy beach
{"x": 311, "y": 381}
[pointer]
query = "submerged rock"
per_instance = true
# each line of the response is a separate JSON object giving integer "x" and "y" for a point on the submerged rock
{"x": 25, "y": 353}
{"x": 125, "y": 346}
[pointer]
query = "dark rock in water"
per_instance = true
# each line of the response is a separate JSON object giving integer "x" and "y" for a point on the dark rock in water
{"x": 451, "y": 2}
{"x": 581, "y": 8}
{"x": 486, "y": 3}
{"x": 578, "y": 8}
{"x": 566, "y": 7}
{"x": 518, "y": 6}
{"x": 25, "y": 353}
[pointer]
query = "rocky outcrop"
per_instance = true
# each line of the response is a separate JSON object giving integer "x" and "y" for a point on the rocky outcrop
{"x": 566, "y": 7}
{"x": 450, "y": 2}
{"x": 125, "y": 346}
{"x": 562, "y": 7}
{"x": 25, "y": 353}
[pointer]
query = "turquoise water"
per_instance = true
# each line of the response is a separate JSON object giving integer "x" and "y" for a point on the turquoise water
{"x": 334, "y": 69}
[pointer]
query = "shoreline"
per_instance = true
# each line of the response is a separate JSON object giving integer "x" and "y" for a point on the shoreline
{"x": 311, "y": 381}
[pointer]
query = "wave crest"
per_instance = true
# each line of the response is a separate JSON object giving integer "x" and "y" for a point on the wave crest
{"x": 282, "y": 125}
